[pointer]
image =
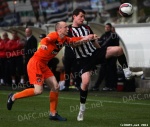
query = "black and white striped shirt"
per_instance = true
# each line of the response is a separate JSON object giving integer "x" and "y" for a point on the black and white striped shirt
{"x": 86, "y": 49}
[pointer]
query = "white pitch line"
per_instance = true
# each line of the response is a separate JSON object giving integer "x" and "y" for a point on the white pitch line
{"x": 115, "y": 102}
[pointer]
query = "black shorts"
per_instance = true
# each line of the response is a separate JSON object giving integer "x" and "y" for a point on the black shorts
{"x": 87, "y": 64}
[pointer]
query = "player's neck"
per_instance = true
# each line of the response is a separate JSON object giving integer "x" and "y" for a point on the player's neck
{"x": 75, "y": 24}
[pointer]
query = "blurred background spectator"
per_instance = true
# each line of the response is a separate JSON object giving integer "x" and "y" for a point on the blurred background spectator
{"x": 14, "y": 52}
{"x": 30, "y": 48}
{"x": 4, "y": 68}
{"x": 108, "y": 70}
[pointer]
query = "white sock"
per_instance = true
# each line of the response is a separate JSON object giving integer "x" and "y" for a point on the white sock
{"x": 82, "y": 107}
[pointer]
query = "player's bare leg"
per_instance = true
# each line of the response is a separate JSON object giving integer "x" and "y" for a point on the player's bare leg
{"x": 114, "y": 51}
{"x": 118, "y": 51}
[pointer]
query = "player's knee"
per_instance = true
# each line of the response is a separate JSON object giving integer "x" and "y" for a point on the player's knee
{"x": 55, "y": 88}
{"x": 85, "y": 86}
{"x": 38, "y": 91}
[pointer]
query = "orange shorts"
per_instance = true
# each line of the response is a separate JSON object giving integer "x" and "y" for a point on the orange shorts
{"x": 38, "y": 71}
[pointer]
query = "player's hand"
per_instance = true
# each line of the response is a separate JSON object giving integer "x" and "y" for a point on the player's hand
{"x": 95, "y": 37}
{"x": 44, "y": 47}
{"x": 91, "y": 36}
{"x": 88, "y": 37}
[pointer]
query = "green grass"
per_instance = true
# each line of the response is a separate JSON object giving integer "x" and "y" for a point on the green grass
{"x": 104, "y": 109}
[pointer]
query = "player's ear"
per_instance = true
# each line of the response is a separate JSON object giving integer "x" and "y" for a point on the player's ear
{"x": 73, "y": 17}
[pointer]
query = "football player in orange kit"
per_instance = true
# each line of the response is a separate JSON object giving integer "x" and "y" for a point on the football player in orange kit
{"x": 39, "y": 72}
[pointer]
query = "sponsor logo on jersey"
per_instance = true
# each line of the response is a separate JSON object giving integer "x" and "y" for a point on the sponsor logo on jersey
{"x": 39, "y": 75}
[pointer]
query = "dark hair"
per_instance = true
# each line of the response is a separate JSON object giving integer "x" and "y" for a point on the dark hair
{"x": 77, "y": 11}
{"x": 109, "y": 24}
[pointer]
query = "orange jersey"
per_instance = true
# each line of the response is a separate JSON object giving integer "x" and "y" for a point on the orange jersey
{"x": 54, "y": 44}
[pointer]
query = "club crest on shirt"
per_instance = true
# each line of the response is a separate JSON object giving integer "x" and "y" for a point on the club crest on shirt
{"x": 38, "y": 79}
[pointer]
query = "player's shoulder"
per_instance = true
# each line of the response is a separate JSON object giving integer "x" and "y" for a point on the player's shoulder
{"x": 53, "y": 35}
{"x": 86, "y": 26}
{"x": 83, "y": 25}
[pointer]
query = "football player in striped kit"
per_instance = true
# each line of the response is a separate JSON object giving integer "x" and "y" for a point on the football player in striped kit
{"x": 88, "y": 55}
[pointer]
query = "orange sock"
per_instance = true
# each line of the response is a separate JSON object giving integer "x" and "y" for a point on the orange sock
{"x": 25, "y": 93}
{"x": 53, "y": 102}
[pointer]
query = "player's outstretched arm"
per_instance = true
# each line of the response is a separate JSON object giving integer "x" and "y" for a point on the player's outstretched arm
{"x": 77, "y": 41}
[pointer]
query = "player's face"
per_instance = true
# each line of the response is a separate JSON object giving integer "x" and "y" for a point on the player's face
{"x": 107, "y": 28}
{"x": 64, "y": 29}
{"x": 79, "y": 19}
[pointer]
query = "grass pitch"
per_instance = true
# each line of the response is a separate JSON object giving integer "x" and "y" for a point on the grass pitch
{"x": 103, "y": 109}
